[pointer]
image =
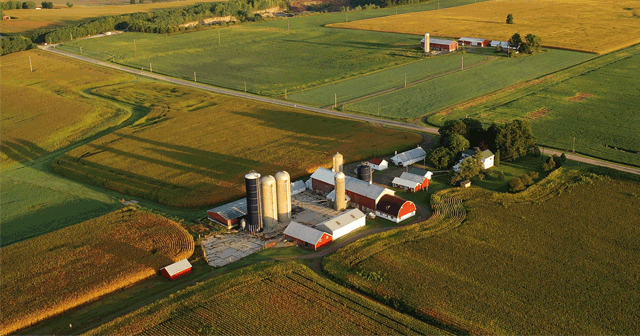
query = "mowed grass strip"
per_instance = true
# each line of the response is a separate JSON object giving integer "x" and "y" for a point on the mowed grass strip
{"x": 598, "y": 26}
{"x": 61, "y": 270}
{"x": 558, "y": 258}
{"x": 45, "y": 110}
{"x": 361, "y": 86}
{"x": 266, "y": 299}
{"x": 194, "y": 147}
{"x": 593, "y": 102}
{"x": 421, "y": 99}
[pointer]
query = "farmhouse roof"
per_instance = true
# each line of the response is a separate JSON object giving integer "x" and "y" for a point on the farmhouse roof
{"x": 232, "y": 210}
{"x": 353, "y": 185}
{"x": 410, "y": 155}
{"x": 438, "y": 41}
{"x": 472, "y": 39}
{"x": 376, "y": 161}
{"x": 177, "y": 267}
{"x": 483, "y": 155}
{"x": 391, "y": 205}
{"x": 305, "y": 233}
{"x": 418, "y": 171}
{"x": 341, "y": 220}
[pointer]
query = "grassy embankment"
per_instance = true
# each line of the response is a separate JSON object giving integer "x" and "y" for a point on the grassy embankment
{"x": 66, "y": 268}
{"x": 593, "y": 102}
{"x": 194, "y": 147}
{"x": 292, "y": 54}
{"x": 30, "y": 19}
{"x": 46, "y": 109}
{"x": 598, "y": 26}
{"x": 266, "y": 299}
{"x": 558, "y": 258}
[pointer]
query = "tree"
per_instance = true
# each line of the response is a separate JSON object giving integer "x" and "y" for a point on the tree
{"x": 140, "y": 1}
{"x": 69, "y": 4}
{"x": 47, "y": 5}
{"x": 515, "y": 40}
{"x": 451, "y": 127}
{"x": 534, "y": 174}
{"x": 441, "y": 157}
{"x": 563, "y": 158}
{"x": 535, "y": 150}
{"x": 496, "y": 159}
{"x": 533, "y": 43}
{"x": 468, "y": 169}
{"x": 510, "y": 19}
{"x": 557, "y": 160}
{"x": 514, "y": 139}
{"x": 28, "y": 5}
{"x": 456, "y": 143}
{"x": 527, "y": 180}
{"x": 475, "y": 131}
{"x": 549, "y": 165}
{"x": 516, "y": 185}
{"x": 133, "y": 2}
{"x": 501, "y": 176}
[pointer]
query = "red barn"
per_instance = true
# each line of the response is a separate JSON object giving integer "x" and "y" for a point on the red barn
{"x": 410, "y": 182}
{"x": 440, "y": 44}
{"x": 360, "y": 193}
{"x": 176, "y": 270}
{"x": 395, "y": 208}
{"x": 229, "y": 214}
{"x": 306, "y": 236}
{"x": 473, "y": 41}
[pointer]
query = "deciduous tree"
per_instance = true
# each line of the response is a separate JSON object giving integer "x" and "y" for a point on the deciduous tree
{"x": 514, "y": 139}
{"x": 441, "y": 157}
{"x": 510, "y": 19}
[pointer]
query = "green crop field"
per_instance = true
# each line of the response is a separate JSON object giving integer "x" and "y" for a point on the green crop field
{"x": 424, "y": 98}
{"x": 266, "y": 299}
{"x": 595, "y": 102}
{"x": 386, "y": 79}
{"x": 558, "y": 258}
{"x": 66, "y": 268}
{"x": 292, "y": 54}
{"x": 194, "y": 147}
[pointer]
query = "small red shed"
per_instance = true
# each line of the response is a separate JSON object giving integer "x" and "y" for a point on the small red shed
{"x": 176, "y": 269}
{"x": 306, "y": 236}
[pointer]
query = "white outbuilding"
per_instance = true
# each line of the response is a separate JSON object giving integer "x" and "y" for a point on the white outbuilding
{"x": 379, "y": 164}
{"x": 343, "y": 224}
{"x": 409, "y": 157}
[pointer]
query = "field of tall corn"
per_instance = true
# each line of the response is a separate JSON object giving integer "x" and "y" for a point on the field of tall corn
{"x": 598, "y": 26}
{"x": 49, "y": 274}
{"x": 558, "y": 258}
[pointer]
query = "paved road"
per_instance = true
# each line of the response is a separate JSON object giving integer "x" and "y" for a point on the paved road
{"x": 396, "y": 124}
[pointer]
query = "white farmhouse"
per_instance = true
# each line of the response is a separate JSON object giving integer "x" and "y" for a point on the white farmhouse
{"x": 486, "y": 158}
{"x": 379, "y": 164}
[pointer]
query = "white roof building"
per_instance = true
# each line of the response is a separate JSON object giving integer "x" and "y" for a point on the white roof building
{"x": 399, "y": 182}
{"x": 176, "y": 267}
{"x": 472, "y": 40}
{"x": 438, "y": 41}
{"x": 372, "y": 191}
{"x": 305, "y": 233}
{"x": 298, "y": 187}
{"x": 343, "y": 224}
{"x": 409, "y": 157}
{"x": 332, "y": 196}
{"x": 502, "y": 44}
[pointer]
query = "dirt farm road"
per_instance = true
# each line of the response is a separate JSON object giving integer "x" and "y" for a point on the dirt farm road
{"x": 396, "y": 124}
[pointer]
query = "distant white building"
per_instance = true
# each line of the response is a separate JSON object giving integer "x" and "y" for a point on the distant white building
{"x": 343, "y": 224}
{"x": 379, "y": 164}
{"x": 486, "y": 159}
{"x": 409, "y": 157}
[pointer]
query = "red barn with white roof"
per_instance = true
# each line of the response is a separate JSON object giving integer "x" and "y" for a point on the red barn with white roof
{"x": 176, "y": 269}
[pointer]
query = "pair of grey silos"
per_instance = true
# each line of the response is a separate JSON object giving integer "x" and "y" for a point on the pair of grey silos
{"x": 268, "y": 200}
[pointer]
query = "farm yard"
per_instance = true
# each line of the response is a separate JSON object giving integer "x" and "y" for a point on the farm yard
{"x": 193, "y": 148}
{"x": 555, "y": 259}
{"x": 52, "y": 99}
{"x": 592, "y": 102}
{"x": 87, "y": 261}
{"x": 266, "y": 299}
{"x": 421, "y": 99}
{"x": 598, "y": 26}
{"x": 290, "y": 54}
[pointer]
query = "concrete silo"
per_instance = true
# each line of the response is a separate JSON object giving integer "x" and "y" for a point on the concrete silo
{"x": 341, "y": 200}
{"x": 427, "y": 43}
{"x": 283, "y": 187}
{"x": 269, "y": 203}
{"x": 254, "y": 208}
{"x": 338, "y": 160}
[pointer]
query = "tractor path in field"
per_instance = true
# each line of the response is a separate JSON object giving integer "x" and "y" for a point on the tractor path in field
{"x": 389, "y": 123}
{"x": 489, "y": 59}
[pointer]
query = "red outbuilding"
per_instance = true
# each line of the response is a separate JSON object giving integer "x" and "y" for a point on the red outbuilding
{"x": 229, "y": 214}
{"x": 176, "y": 269}
{"x": 306, "y": 236}
{"x": 474, "y": 41}
{"x": 395, "y": 208}
{"x": 441, "y": 45}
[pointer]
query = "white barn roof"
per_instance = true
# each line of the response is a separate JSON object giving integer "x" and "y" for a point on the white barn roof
{"x": 353, "y": 185}
{"x": 412, "y": 154}
{"x": 500, "y": 43}
{"x": 177, "y": 267}
{"x": 438, "y": 41}
{"x": 412, "y": 177}
{"x": 298, "y": 187}
{"x": 405, "y": 183}
{"x": 332, "y": 196}
{"x": 232, "y": 210}
{"x": 472, "y": 39}
{"x": 303, "y": 232}
{"x": 340, "y": 221}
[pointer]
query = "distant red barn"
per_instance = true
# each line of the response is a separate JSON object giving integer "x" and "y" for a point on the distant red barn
{"x": 176, "y": 269}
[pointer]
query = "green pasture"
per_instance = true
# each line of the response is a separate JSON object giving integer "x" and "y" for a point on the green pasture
{"x": 558, "y": 258}
{"x": 386, "y": 79}
{"x": 293, "y": 54}
{"x": 597, "y": 102}
{"x": 424, "y": 98}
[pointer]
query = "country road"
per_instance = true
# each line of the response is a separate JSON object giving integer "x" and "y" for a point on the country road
{"x": 397, "y": 124}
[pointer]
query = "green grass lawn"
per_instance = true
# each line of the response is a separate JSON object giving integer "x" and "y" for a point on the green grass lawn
{"x": 292, "y": 54}
{"x": 559, "y": 258}
{"x": 386, "y": 79}
{"x": 596, "y": 102}
{"x": 422, "y": 99}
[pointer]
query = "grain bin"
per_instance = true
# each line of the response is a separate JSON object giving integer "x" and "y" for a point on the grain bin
{"x": 254, "y": 209}
{"x": 338, "y": 160}
{"x": 283, "y": 187}
{"x": 341, "y": 200}
{"x": 269, "y": 203}
{"x": 364, "y": 172}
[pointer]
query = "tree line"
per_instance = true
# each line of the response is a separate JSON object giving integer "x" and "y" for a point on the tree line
{"x": 383, "y": 3}
{"x": 11, "y": 44}
{"x": 7, "y": 5}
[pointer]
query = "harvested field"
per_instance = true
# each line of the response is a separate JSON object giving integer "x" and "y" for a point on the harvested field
{"x": 579, "y": 97}
{"x": 537, "y": 114}
{"x": 66, "y": 268}
{"x": 598, "y": 26}
{"x": 194, "y": 147}
{"x": 266, "y": 299}
{"x": 45, "y": 110}
{"x": 558, "y": 258}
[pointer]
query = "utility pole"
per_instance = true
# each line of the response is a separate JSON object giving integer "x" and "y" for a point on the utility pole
{"x": 71, "y": 35}
{"x": 438, "y": 5}
{"x": 135, "y": 49}
{"x": 405, "y": 79}
{"x": 219, "y": 38}
{"x": 346, "y": 17}
{"x": 287, "y": 24}
{"x": 396, "y": 11}
{"x": 80, "y": 50}
{"x": 335, "y": 99}
{"x": 195, "y": 79}
{"x": 30, "y": 65}
{"x": 573, "y": 149}
{"x": 245, "y": 86}
{"x": 378, "y": 109}
{"x": 150, "y": 67}
{"x": 463, "y": 63}
{"x": 285, "y": 94}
